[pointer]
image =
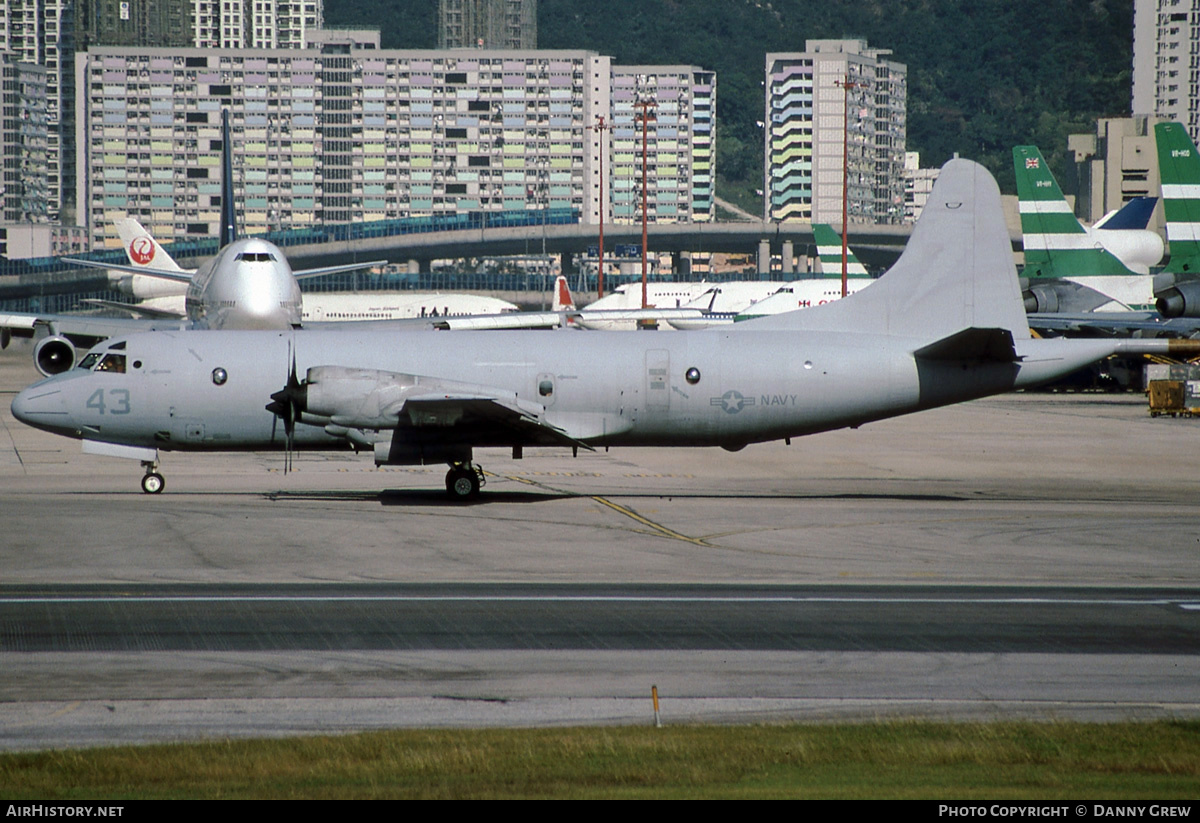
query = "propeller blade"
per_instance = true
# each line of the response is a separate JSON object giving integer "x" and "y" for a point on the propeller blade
{"x": 286, "y": 404}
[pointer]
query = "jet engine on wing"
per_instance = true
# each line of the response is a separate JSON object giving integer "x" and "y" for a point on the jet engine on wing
{"x": 54, "y": 355}
{"x": 1175, "y": 298}
{"x": 1051, "y": 295}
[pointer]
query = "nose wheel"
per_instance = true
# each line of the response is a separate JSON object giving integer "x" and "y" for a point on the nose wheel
{"x": 463, "y": 481}
{"x": 152, "y": 482}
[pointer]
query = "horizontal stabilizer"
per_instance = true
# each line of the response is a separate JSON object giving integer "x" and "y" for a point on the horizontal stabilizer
{"x": 980, "y": 345}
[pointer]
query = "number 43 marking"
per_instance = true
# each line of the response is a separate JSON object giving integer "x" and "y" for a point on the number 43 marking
{"x": 118, "y": 401}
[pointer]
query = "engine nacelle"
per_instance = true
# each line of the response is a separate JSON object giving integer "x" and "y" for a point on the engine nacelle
{"x": 54, "y": 355}
{"x": 1180, "y": 300}
{"x": 1053, "y": 295}
{"x": 357, "y": 398}
{"x": 1040, "y": 300}
{"x": 144, "y": 287}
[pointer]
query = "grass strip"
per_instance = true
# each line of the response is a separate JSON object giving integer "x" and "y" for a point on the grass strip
{"x": 964, "y": 761}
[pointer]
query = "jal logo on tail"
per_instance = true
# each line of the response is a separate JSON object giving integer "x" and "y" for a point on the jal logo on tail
{"x": 141, "y": 250}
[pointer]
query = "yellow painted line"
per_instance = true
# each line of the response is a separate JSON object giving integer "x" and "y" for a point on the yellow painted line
{"x": 657, "y": 527}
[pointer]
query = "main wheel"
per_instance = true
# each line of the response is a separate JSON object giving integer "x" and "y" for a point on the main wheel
{"x": 462, "y": 483}
{"x": 153, "y": 483}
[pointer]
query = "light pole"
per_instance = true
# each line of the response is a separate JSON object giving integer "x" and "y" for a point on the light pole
{"x": 601, "y": 127}
{"x": 645, "y": 106}
{"x": 846, "y": 85}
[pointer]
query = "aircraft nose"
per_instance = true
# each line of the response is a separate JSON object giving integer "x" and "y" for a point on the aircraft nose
{"x": 41, "y": 406}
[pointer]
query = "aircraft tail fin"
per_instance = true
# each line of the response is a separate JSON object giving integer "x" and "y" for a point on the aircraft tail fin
{"x": 1179, "y": 167}
{"x": 829, "y": 253}
{"x": 956, "y": 273}
{"x": 563, "y": 301}
{"x": 141, "y": 248}
{"x": 228, "y": 211}
{"x": 1056, "y": 244}
{"x": 1133, "y": 215}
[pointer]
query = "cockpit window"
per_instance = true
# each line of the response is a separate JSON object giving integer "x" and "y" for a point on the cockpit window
{"x": 113, "y": 363}
{"x": 89, "y": 361}
{"x": 256, "y": 257}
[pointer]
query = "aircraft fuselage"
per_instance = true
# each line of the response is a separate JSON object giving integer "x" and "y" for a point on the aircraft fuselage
{"x": 209, "y": 390}
{"x": 247, "y": 285}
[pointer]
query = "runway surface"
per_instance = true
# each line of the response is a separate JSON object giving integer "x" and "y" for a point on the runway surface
{"x": 374, "y": 617}
{"x": 1024, "y": 556}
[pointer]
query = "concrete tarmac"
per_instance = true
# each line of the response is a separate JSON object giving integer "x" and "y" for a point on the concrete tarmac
{"x": 1033, "y": 490}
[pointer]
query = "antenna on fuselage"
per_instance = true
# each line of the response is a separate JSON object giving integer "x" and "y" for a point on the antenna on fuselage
{"x": 228, "y": 232}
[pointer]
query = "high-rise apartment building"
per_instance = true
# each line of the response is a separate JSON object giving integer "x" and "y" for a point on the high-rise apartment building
{"x": 680, "y": 136}
{"x": 838, "y": 99}
{"x": 487, "y": 24}
{"x": 227, "y": 24}
{"x": 344, "y": 134}
{"x": 48, "y": 33}
{"x": 24, "y": 137}
{"x": 42, "y": 32}
{"x": 1166, "y": 61}
{"x": 134, "y": 23}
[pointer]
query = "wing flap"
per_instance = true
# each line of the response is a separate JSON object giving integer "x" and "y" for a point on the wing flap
{"x": 486, "y": 414}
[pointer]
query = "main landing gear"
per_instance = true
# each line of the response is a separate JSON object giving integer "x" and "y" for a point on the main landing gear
{"x": 463, "y": 481}
{"x": 153, "y": 482}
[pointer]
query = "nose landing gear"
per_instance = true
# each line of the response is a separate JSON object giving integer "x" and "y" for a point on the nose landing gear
{"x": 463, "y": 481}
{"x": 152, "y": 482}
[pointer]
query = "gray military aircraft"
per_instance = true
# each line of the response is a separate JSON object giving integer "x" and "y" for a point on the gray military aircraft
{"x": 947, "y": 324}
{"x": 247, "y": 285}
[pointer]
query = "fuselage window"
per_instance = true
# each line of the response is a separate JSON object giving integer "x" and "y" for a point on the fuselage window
{"x": 113, "y": 363}
{"x": 89, "y": 361}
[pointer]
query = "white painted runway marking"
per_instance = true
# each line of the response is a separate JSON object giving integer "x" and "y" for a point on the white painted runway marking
{"x": 1008, "y": 601}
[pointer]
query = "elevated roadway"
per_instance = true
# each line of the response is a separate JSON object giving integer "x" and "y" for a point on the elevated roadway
{"x": 759, "y": 238}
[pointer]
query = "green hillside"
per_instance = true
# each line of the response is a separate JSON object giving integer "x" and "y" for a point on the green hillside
{"x": 984, "y": 75}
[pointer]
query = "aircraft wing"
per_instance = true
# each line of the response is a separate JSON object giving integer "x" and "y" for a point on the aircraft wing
{"x": 1113, "y": 323}
{"x": 164, "y": 274}
{"x": 370, "y": 264}
{"x": 82, "y": 325}
{"x": 508, "y": 320}
{"x": 71, "y": 333}
{"x": 600, "y": 318}
{"x": 135, "y": 309}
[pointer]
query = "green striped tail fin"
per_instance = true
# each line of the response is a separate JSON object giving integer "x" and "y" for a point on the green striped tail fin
{"x": 1056, "y": 245}
{"x": 829, "y": 253}
{"x": 1179, "y": 167}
